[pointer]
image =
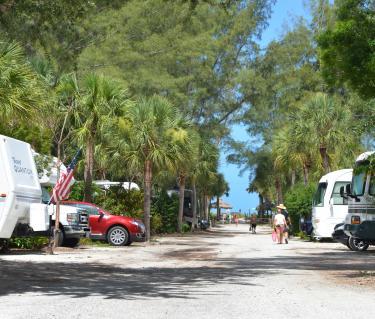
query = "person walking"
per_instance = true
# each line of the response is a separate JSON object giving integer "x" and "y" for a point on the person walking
{"x": 279, "y": 223}
{"x": 288, "y": 222}
{"x": 236, "y": 220}
{"x": 253, "y": 222}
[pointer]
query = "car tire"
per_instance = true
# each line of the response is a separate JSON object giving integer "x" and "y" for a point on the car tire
{"x": 356, "y": 244}
{"x": 118, "y": 236}
{"x": 70, "y": 242}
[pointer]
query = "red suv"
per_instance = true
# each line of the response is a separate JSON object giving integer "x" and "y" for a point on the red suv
{"x": 116, "y": 230}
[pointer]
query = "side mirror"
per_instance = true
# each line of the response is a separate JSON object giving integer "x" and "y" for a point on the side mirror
{"x": 343, "y": 193}
{"x": 348, "y": 189}
{"x": 101, "y": 215}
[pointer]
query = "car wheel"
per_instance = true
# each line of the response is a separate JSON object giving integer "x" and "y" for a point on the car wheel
{"x": 70, "y": 242}
{"x": 118, "y": 236}
{"x": 356, "y": 244}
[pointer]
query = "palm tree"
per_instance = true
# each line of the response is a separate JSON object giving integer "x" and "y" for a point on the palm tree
{"x": 95, "y": 101}
{"x": 203, "y": 172}
{"x": 325, "y": 124}
{"x": 20, "y": 92}
{"x": 291, "y": 155}
{"x": 220, "y": 188}
{"x": 185, "y": 169}
{"x": 150, "y": 138}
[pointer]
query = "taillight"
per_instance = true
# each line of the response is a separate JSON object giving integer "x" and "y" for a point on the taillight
{"x": 356, "y": 220}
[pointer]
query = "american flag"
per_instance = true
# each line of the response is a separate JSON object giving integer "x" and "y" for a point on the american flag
{"x": 62, "y": 188}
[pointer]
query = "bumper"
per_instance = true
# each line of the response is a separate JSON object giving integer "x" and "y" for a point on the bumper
{"x": 340, "y": 236}
{"x": 138, "y": 237}
{"x": 73, "y": 232}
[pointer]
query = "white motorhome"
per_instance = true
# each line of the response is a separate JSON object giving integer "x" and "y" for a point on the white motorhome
{"x": 329, "y": 208}
{"x": 360, "y": 220}
{"x": 21, "y": 209}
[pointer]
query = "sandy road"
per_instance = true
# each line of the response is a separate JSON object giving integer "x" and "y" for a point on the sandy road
{"x": 227, "y": 273}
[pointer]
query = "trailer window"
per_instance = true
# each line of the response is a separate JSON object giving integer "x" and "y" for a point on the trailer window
{"x": 336, "y": 197}
{"x": 371, "y": 189}
{"x": 319, "y": 195}
{"x": 359, "y": 182}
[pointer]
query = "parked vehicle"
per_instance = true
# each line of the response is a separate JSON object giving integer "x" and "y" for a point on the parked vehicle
{"x": 339, "y": 235}
{"x": 188, "y": 205}
{"x": 203, "y": 224}
{"x": 106, "y": 184}
{"x": 22, "y": 212}
{"x": 329, "y": 208}
{"x": 360, "y": 220}
{"x": 116, "y": 230}
{"x": 305, "y": 225}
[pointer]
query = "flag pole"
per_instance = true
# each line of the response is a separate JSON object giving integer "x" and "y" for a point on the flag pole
{"x": 56, "y": 231}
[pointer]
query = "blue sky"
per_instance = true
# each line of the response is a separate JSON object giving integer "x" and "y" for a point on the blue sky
{"x": 283, "y": 14}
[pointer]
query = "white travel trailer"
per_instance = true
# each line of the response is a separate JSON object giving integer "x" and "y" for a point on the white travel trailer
{"x": 360, "y": 220}
{"x": 329, "y": 208}
{"x": 21, "y": 208}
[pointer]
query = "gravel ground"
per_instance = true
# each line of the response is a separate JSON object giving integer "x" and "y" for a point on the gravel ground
{"x": 224, "y": 273}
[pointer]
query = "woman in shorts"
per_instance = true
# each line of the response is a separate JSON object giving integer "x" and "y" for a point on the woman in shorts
{"x": 279, "y": 224}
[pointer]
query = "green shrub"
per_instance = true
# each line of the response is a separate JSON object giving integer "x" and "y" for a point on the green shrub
{"x": 298, "y": 202}
{"x": 185, "y": 227}
{"x": 120, "y": 201}
{"x": 156, "y": 223}
{"x": 90, "y": 242}
{"x": 28, "y": 242}
{"x": 167, "y": 208}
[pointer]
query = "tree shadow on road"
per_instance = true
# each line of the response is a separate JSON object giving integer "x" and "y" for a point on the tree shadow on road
{"x": 82, "y": 280}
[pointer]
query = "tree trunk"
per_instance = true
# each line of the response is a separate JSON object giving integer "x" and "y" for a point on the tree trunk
{"x": 293, "y": 177}
{"x": 305, "y": 174}
{"x": 147, "y": 197}
{"x": 208, "y": 200}
{"x": 279, "y": 190}
{"x": 218, "y": 217}
{"x": 181, "y": 198}
{"x": 205, "y": 206}
{"x": 89, "y": 168}
{"x": 325, "y": 159}
{"x": 261, "y": 205}
{"x": 194, "y": 206}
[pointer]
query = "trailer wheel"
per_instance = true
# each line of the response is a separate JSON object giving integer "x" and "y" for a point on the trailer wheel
{"x": 356, "y": 244}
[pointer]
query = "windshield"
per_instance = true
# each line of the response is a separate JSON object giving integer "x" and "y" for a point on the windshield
{"x": 319, "y": 195}
{"x": 359, "y": 182}
{"x": 371, "y": 189}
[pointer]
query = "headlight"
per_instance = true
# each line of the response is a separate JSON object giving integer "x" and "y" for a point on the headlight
{"x": 72, "y": 218}
{"x": 139, "y": 224}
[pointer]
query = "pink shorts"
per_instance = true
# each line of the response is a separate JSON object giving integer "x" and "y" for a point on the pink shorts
{"x": 280, "y": 228}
